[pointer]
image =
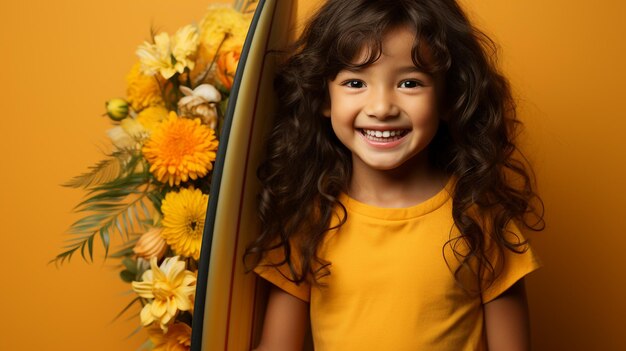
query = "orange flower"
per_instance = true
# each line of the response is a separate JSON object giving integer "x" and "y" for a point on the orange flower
{"x": 177, "y": 338}
{"x": 180, "y": 149}
{"x": 227, "y": 66}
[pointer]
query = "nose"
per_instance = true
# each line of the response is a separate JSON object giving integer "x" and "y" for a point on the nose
{"x": 381, "y": 105}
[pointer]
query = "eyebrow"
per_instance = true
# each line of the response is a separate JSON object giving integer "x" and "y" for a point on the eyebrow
{"x": 352, "y": 69}
{"x": 411, "y": 69}
{"x": 401, "y": 70}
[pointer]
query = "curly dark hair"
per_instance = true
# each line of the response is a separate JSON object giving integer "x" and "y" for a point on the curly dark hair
{"x": 306, "y": 166}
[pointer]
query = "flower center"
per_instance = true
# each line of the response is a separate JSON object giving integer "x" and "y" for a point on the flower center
{"x": 162, "y": 290}
{"x": 179, "y": 144}
{"x": 194, "y": 226}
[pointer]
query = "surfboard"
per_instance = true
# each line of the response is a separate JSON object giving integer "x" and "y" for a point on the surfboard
{"x": 229, "y": 303}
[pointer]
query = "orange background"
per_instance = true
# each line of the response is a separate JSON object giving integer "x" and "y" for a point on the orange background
{"x": 61, "y": 60}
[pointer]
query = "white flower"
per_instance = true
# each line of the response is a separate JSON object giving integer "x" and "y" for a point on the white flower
{"x": 200, "y": 102}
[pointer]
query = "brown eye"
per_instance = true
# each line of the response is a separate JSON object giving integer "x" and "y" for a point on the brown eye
{"x": 354, "y": 83}
{"x": 411, "y": 84}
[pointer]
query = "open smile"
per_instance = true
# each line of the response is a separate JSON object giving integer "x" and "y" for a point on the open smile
{"x": 383, "y": 136}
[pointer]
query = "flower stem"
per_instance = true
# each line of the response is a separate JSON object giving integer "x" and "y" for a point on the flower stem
{"x": 208, "y": 69}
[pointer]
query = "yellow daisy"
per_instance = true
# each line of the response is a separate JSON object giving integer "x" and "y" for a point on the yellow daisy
{"x": 183, "y": 220}
{"x": 143, "y": 90}
{"x": 180, "y": 149}
{"x": 169, "y": 289}
{"x": 177, "y": 338}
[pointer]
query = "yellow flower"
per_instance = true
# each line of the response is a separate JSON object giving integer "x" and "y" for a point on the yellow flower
{"x": 169, "y": 55}
{"x": 184, "y": 47}
{"x": 151, "y": 117}
{"x": 183, "y": 220}
{"x": 143, "y": 90}
{"x": 180, "y": 149}
{"x": 220, "y": 24}
{"x": 227, "y": 66}
{"x": 151, "y": 244}
{"x": 177, "y": 338}
{"x": 169, "y": 288}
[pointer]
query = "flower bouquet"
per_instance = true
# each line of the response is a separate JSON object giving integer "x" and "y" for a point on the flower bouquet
{"x": 151, "y": 192}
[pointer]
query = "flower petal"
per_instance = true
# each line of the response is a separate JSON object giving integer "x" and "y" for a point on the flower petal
{"x": 182, "y": 301}
{"x": 159, "y": 307}
{"x": 146, "y": 315}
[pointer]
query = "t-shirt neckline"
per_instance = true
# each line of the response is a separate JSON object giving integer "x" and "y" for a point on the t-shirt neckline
{"x": 394, "y": 213}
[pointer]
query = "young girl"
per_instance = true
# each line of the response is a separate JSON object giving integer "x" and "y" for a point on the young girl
{"x": 390, "y": 190}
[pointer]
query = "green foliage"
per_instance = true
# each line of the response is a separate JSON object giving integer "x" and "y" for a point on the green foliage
{"x": 127, "y": 276}
{"x": 137, "y": 299}
{"x": 114, "y": 166}
{"x": 126, "y": 250}
{"x": 148, "y": 345}
{"x": 118, "y": 206}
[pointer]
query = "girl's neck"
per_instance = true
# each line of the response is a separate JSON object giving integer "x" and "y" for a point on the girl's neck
{"x": 410, "y": 184}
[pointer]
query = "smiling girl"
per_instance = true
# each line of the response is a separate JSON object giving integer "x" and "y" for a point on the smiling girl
{"x": 391, "y": 197}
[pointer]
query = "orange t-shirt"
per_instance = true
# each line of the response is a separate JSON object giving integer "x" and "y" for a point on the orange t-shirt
{"x": 390, "y": 287}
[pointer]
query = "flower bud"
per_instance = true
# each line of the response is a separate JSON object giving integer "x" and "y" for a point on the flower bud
{"x": 151, "y": 244}
{"x": 117, "y": 109}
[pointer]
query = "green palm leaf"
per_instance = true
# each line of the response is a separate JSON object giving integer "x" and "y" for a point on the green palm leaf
{"x": 115, "y": 165}
{"x": 126, "y": 249}
{"x": 102, "y": 171}
{"x": 132, "y": 302}
{"x": 121, "y": 206}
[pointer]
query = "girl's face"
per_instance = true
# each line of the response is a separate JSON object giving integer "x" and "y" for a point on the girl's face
{"x": 385, "y": 113}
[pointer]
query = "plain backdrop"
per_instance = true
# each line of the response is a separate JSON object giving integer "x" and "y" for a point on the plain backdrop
{"x": 61, "y": 60}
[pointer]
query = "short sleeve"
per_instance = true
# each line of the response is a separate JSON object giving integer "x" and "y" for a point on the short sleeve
{"x": 510, "y": 266}
{"x": 278, "y": 275}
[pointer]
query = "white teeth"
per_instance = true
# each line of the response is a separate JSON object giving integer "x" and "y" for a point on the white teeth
{"x": 378, "y": 135}
{"x": 382, "y": 134}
